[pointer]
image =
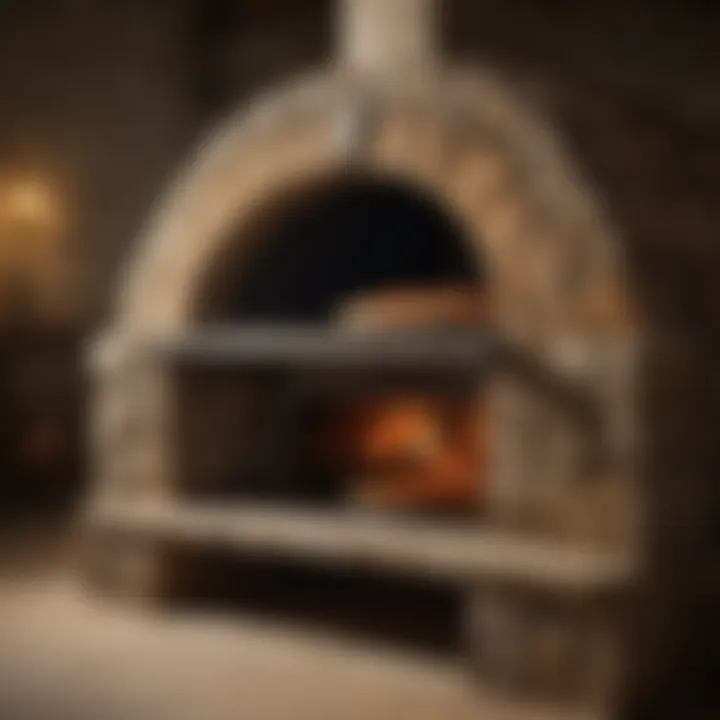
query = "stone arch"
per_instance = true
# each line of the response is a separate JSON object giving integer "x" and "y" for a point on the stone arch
{"x": 555, "y": 262}
{"x": 464, "y": 142}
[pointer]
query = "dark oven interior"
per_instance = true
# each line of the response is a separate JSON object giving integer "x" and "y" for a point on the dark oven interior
{"x": 329, "y": 436}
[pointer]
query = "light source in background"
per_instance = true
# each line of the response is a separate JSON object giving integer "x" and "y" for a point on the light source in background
{"x": 31, "y": 230}
{"x": 29, "y": 200}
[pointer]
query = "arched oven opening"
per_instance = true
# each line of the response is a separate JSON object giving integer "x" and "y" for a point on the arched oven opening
{"x": 352, "y": 257}
{"x": 355, "y": 258}
{"x": 352, "y": 236}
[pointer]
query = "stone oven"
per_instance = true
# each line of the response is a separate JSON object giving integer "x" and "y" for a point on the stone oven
{"x": 547, "y": 571}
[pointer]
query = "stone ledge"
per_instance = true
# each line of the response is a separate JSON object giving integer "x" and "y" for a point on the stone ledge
{"x": 440, "y": 551}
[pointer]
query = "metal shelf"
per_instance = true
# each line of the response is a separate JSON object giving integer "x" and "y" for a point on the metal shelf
{"x": 298, "y": 346}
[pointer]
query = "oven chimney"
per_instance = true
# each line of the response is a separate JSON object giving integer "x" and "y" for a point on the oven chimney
{"x": 381, "y": 38}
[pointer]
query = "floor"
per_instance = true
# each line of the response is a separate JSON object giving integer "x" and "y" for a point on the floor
{"x": 65, "y": 656}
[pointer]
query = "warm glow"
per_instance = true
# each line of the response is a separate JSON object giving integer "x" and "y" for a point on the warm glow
{"x": 28, "y": 202}
{"x": 31, "y": 223}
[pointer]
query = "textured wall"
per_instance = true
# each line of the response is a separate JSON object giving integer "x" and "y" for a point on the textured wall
{"x": 92, "y": 96}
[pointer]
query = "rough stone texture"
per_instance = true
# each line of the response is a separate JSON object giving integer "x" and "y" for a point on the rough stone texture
{"x": 467, "y": 143}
